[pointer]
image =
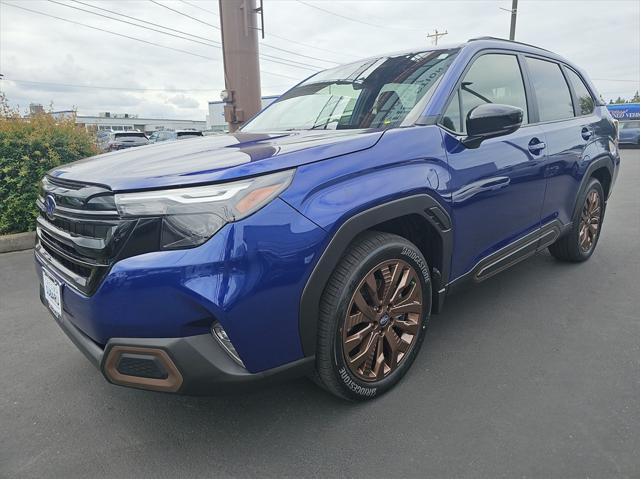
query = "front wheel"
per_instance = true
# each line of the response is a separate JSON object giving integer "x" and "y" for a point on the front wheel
{"x": 373, "y": 315}
{"x": 579, "y": 244}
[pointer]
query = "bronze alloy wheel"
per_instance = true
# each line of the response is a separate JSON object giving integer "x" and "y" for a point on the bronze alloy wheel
{"x": 383, "y": 320}
{"x": 590, "y": 221}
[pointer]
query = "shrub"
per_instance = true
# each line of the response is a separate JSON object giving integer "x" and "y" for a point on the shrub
{"x": 29, "y": 147}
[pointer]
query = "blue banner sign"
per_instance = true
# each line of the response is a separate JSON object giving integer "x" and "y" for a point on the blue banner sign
{"x": 625, "y": 111}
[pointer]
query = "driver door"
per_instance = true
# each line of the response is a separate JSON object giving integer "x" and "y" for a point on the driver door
{"x": 497, "y": 190}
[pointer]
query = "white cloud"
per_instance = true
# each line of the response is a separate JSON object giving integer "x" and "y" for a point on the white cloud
{"x": 603, "y": 37}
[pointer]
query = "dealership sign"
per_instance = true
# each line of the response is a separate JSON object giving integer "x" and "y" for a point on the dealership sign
{"x": 625, "y": 111}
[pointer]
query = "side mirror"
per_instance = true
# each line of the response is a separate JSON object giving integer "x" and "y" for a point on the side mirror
{"x": 489, "y": 121}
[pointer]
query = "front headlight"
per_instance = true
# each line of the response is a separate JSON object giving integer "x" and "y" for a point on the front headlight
{"x": 190, "y": 216}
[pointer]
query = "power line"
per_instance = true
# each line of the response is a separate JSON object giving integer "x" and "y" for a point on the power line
{"x": 299, "y": 54}
{"x": 264, "y": 44}
{"x": 199, "y": 7}
{"x": 185, "y": 15}
{"x": 356, "y": 20}
{"x": 131, "y": 23}
{"x": 142, "y": 21}
{"x": 210, "y": 43}
{"x": 340, "y": 15}
{"x": 282, "y": 38}
{"x": 134, "y": 38}
{"x": 102, "y": 87}
{"x": 110, "y": 32}
{"x": 310, "y": 46}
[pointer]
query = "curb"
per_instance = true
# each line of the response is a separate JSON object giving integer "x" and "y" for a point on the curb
{"x": 17, "y": 242}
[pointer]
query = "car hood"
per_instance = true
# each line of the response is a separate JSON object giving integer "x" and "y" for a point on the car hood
{"x": 213, "y": 158}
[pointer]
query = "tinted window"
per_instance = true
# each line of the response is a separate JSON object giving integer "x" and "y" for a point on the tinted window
{"x": 130, "y": 135}
{"x": 189, "y": 133}
{"x": 493, "y": 78}
{"x": 585, "y": 100}
{"x": 552, "y": 91}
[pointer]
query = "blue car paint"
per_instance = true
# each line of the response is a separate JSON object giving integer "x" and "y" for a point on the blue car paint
{"x": 251, "y": 274}
{"x": 630, "y": 136}
{"x": 213, "y": 158}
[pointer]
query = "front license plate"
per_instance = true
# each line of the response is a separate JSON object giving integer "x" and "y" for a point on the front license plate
{"x": 52, "y": 293}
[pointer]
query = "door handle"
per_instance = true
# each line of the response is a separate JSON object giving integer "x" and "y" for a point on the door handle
{"x": 536, "y": 146}
{"x": 586, "y": 133}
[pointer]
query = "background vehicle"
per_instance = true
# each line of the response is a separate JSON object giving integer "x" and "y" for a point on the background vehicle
{"x": 628, "y": 114}
{"x": 320, "y": 238}
{"x": 629, "y": 132}
{"x": 166, "y": 135}
{"x": 120, "y": 140}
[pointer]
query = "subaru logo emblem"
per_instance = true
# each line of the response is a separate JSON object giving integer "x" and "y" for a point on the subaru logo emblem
{"x": 49, "y": 206}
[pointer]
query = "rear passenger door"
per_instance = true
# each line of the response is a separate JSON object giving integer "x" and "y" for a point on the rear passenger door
{"x": 565, "y": 111}
{"x": 496, "y": 189}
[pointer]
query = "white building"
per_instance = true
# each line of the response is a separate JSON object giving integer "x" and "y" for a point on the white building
{"x": 215, "y": 118}
{"x": 123, "y": 122}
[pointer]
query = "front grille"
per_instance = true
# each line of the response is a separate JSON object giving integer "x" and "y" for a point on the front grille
{"x": 78, "y": 269}
{"x": 82, "y": 234}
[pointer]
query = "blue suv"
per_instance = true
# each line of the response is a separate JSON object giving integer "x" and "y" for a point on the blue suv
{"x": 321, "y": 237}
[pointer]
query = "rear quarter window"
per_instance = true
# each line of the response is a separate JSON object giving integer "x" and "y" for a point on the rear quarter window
{"x": 585, "y": 104}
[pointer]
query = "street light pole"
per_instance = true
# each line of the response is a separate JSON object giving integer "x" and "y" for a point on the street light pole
{"x": 239, "y": 26}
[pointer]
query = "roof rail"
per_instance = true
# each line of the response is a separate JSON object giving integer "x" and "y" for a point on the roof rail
{"x": 509, "y": 41}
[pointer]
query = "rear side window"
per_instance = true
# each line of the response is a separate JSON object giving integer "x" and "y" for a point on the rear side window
{"x": 552, "y": 91}
{"x": 493, "y": 78}
{"x": 585, "y": 100}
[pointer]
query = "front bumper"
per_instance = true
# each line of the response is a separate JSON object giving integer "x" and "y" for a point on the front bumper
{"x": 200, "y": 363}
{"x": 248, "y": 277}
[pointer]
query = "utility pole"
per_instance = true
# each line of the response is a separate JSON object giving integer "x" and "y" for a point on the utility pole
{"x": 514, "y": 13}
{"x": 239, "y": 26}
{"x": 436, "y": 36}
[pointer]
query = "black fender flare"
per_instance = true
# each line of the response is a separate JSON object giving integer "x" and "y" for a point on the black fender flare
{"x": 424, "y": 205}
{"x": 601, "y": 162}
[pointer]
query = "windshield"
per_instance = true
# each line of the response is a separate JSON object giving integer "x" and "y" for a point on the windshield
{"x": 628, "y": 125}
{"x": 377, "y": 93}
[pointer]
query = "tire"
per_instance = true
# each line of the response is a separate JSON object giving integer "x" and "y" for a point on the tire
{"x": 575, "y": 246}
{"x": 377, "y": 269}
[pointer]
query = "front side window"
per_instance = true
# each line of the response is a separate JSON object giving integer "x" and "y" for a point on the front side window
{"x": 585, "y": 100}
{"x": 377, "y": 93}
{"x": 552, "y": 91}
{"x": 493, "y": 78}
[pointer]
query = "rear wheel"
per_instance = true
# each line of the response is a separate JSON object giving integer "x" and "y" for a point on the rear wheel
{"x": 579, "y": 244}
{"x": 373, "y": 314}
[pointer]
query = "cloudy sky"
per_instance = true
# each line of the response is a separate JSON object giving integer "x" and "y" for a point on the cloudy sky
{"x": 45, "y": 59}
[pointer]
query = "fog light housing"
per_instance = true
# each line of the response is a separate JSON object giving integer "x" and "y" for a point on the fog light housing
{"x": 218, "y": 332}
{"x": 142, "y": 367}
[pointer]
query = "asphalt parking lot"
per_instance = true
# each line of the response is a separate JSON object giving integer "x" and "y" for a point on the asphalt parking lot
{"x": 534, "y": 373}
